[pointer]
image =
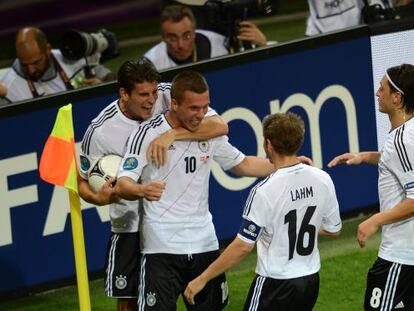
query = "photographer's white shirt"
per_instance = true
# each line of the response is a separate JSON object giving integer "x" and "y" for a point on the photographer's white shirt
{"x": 159, "y": 57}
{"x": 50, "y": 83}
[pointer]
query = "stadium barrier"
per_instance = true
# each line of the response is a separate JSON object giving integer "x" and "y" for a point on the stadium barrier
{"x": 330, "y": 80}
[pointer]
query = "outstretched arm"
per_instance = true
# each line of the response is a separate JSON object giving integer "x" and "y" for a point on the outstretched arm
{"x": 401, "y": 211}
{"x": 210, "y": 127}
{"x": 368, "y": 157}
{"x": 253, "y": 166}
{"x": 235, "y": 252}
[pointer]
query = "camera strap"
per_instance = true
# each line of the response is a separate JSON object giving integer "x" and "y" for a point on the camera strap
{"x": 62, "y": 75}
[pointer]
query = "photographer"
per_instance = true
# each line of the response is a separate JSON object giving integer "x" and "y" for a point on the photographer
{"x": 40, "y": 70}
{"x": 183, "y": 43}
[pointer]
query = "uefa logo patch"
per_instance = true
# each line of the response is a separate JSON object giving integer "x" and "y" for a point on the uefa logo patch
{"x": 130, "y": 164}
{"x": 85, "y": 164}
{"x": 121, "y": 282}
{"x": 151, "y": 299}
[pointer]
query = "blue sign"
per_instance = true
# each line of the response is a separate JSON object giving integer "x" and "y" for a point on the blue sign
{"x": 331, "y": 89}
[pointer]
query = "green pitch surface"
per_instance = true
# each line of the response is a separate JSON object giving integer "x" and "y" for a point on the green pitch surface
{"x": 343, "y": 273}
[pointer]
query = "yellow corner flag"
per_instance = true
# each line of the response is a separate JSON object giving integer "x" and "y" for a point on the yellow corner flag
{"x": 58, "y": 166}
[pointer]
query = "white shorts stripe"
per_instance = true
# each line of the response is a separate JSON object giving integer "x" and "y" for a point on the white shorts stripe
{"x": 254, "y": 303}
{"x": 141, "y": 287}
{"x": 111, "y": 265}
{"x": 390, "y": 287}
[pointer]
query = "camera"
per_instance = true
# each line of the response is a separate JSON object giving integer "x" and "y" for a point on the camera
{"x": 94, "y": 47}
{"x": 376, "y": 13}
{"x": 224, "y": 17}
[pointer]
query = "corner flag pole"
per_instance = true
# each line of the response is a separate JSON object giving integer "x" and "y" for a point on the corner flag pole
{"x": 58, "y": 166}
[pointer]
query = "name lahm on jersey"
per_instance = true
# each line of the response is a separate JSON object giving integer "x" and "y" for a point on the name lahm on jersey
{"x": 301, "y": 193}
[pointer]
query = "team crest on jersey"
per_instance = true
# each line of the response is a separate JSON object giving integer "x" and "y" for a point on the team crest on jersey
{"x": 151, "y": 299}
{"x": 204, "y": 145}
{"x": 252, "y": 228}
{"x": 85, "y": 164}
{"x": 130, "y": 164}
{"x": 121, "y": 282}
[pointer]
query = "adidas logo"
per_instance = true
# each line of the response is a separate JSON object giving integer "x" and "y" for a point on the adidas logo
{"x": 171, "y": 147}
{"x": 400, "y": 305}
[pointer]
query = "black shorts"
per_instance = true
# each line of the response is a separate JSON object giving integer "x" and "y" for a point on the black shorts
{"x": 267, "y": 294}
{"x": 122, "y": 265}
{"x": 165, "y": 276}
{"x": 390, "y": 286}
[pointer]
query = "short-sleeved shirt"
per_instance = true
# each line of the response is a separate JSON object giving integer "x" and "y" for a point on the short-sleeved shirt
{"x": 283, "y": 213}
{"x": 396, "y": 183}
{"x": 180, "y": 222}
{"x": 108, "y": 134}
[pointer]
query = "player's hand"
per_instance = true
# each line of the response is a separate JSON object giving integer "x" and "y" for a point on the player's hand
{"x": 3, "y": 90}
{"x": 154, "y": 190}
{"x": 157, "y": 151}
{"x": 107, "y": 193}
{"x": 366, "y": 229}
{"x": 346, "y": 158}
{"x": 193, "y": 288}
{"x": 305, "y": 160}
{"x": 250, "y": 32}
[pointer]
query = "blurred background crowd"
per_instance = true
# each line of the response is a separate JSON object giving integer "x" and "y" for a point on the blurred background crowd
{"x": 49, "y": 46}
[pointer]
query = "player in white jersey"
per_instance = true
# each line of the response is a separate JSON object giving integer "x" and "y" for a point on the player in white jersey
{"x": 390, "y": 284}
{"x": 178, "y": 235}
{"x": 140, "y": 97}
{"x": 284, "y": 214}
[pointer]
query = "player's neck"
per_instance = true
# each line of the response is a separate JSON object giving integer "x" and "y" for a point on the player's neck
{"x": 281, "y": 161}
{"x": 399, "y": 117}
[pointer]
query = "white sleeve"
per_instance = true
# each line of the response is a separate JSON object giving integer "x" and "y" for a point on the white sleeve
{"x": 331, "y": 220}
{"x": 90, "y": 151}
{"x": 163, "y": 103}
{"x": 135, "y": 158}
{"x": 405, "y": 169}
{"x": 225, "y": 154}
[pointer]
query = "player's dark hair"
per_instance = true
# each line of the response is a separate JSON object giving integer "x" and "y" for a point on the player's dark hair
{"x": 176, "y": 13}
{"x": 139, "y": 71}
{"x": 285, "y": 131}
{"x": 403, "y": 77}
{"x": 187, "y": 81}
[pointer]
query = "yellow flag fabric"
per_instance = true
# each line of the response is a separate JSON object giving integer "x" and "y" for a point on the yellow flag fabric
{"x": 58, "y": 162}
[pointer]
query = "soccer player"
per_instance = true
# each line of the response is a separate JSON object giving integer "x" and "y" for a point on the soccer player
{"x": 390, "y": 284}
{"x": 140, "y": 97}
{"x": 284, "y": 214}
{"x": 178, "y": 235}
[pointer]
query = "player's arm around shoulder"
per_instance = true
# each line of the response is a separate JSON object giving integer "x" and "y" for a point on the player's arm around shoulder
{"x": 210, "y": 127}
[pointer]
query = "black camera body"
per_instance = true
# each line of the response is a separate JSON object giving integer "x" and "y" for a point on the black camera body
{"x": 376, "y": 13}
{"x": 224, "y": 17}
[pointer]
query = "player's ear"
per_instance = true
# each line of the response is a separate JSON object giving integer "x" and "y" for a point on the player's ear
{"x": 174, "y": 104}
{"x": 123, "y": 94}
{"x": 269, "y": 147}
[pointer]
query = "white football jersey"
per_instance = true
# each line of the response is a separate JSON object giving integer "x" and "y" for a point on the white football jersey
{"x": 395, "y": 183}
{"x": 108, "y": 134}
{"x": 283, "y": 214}
{"x": 180, "y": 223}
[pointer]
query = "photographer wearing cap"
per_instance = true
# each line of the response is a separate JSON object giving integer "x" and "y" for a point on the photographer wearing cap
{"x": 40, "y": 70}
{"x": 183, "y": 43}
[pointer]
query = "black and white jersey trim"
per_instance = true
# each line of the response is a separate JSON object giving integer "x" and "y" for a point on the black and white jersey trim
{"x": 387, "y": 301}
{"x": 164, "y": 86}
{"x": 108, "y": 114}
{"x": 111, "y": 265}
{"x": 249, "y": 200}
{"x": 254, "y": 302}
{"x": 401, "y": 150}
{"x": 139, "y": 136}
